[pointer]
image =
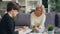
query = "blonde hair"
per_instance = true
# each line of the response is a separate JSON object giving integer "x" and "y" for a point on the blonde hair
{"x": 43, "y": 8}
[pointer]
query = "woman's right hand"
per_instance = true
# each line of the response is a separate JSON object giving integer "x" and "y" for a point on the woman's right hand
{"x": 36, "y": 29}
{"x": 19, "y": 29}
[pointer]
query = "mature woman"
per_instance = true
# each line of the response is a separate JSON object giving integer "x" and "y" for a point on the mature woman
{"x": 38, "y": 19}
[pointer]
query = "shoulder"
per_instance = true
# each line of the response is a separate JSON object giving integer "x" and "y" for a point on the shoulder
{"x": 5, "y": 17}
{"x": 32, "y": 14}
{"x": 43, "y": 16}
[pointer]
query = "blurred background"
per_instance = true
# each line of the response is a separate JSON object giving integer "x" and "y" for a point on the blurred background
{"x": 28, "y": 5}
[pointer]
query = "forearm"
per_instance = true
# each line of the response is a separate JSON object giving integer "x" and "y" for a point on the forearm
{"x": 42, "y": 22}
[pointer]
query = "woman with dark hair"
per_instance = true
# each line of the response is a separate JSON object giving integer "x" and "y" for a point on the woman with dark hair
{"x": 7, "y": 25}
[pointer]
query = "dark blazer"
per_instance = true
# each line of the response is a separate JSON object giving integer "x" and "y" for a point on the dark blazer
{"x": 7, "y": 25}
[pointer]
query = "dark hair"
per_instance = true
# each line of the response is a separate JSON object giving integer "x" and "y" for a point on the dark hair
{"x": 12, "y": 5}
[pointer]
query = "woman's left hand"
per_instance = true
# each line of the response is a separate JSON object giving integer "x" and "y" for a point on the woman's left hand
{"x": 36, "y": 29}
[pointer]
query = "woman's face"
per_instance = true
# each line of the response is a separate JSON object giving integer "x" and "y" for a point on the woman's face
{"x": 39, "y": 11}
{"x": 14, "y": 13}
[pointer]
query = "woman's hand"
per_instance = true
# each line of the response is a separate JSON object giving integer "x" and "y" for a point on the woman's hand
{"x": 16, "y": 30}
{"x": 19, "y": 29}
{"x": 36, "y": 29}
{"x": 25, "y": 28}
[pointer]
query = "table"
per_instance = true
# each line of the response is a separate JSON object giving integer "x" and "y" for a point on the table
{"x": 29, "y": 31}
{"x": 38, "y": 33}
{"x": 41, "y": 33}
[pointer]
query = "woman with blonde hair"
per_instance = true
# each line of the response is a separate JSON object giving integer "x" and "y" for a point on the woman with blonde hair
{"x": 38, "y": 19}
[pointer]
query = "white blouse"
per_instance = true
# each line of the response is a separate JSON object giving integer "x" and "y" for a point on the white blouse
{"x": 38, "y": 21}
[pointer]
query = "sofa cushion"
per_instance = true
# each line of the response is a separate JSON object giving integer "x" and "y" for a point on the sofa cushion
{"x": 23, "y": 20}
{"x": 50, "y": 19}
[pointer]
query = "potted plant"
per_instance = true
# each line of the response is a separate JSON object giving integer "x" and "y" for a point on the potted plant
{"x": 50, "y": 29}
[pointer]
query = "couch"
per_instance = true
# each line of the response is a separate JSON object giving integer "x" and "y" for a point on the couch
{"x": 22, "y": 19}
{"x": 53, "y": 18}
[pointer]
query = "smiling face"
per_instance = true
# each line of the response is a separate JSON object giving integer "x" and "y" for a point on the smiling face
{"x": 38, "y": 11}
